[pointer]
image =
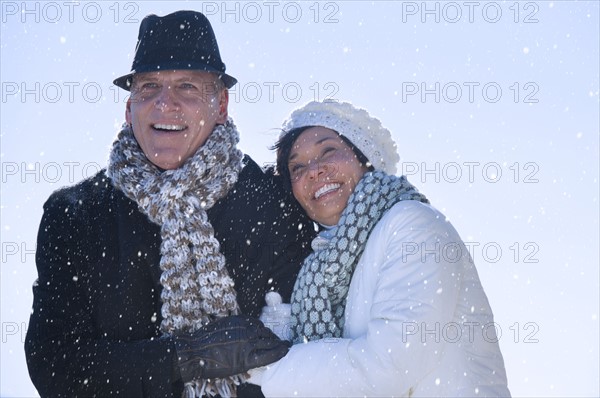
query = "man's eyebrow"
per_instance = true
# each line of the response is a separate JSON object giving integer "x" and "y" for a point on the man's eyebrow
{"x": 146, "y": 77}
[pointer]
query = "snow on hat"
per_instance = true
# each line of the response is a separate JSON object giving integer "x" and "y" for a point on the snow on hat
{"x": 363, "y": 130}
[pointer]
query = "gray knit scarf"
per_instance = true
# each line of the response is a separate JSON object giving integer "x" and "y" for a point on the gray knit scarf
{"x": 197, "y": 288}
{"x": 319, "y": 296}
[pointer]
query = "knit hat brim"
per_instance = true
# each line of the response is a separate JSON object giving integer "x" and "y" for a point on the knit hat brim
{"x": 364, "y": 131}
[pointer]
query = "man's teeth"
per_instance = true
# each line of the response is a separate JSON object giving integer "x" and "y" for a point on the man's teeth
{"x": 325, "y": 189}
{"x": 172, "y": 127}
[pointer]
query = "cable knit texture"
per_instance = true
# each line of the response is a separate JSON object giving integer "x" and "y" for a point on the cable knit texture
{"x": 319, "y": 297}
{"x": 363, "y": 130}
{"x": 196, "y": 285}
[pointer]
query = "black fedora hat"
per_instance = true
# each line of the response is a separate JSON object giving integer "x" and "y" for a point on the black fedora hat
{"x": 181, "y": 40}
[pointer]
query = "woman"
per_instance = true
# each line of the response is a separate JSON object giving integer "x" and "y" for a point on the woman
{"x": 389, "y": 303}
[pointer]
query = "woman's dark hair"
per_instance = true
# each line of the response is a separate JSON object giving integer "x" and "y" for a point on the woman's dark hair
{"x": 284, "y": 148}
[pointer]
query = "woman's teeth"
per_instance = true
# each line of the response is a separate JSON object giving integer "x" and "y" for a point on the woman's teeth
{"x": 325, "y": 189}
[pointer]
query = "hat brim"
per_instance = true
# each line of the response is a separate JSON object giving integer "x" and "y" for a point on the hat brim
{"x": 125, "y": 81}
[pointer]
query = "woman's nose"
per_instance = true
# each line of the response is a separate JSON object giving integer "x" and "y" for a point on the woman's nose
{"x": 318, "y": 170}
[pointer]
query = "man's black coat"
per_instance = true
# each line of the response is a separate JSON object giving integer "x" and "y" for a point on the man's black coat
{"x": 94, "y": 329}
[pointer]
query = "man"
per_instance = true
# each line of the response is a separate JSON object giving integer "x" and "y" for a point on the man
{"x": 144, "y": 268}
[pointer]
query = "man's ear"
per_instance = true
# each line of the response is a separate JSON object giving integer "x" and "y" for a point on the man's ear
{"x": 223, "y": 103}
{"x": 128, "y": 111}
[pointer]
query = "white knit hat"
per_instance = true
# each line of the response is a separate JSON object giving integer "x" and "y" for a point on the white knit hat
{"x": 363, "y": 130}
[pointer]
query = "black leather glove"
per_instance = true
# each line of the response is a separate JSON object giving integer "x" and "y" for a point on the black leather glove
{"x": 227, "y": 347}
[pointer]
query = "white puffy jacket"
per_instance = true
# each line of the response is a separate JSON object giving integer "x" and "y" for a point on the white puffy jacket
{"x": 418, "y": 322}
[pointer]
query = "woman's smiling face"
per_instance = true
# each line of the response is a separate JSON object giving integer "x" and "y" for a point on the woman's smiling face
{"x": 324, "y": 171}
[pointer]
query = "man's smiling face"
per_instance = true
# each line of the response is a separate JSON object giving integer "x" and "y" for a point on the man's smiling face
{"x": 172, "y": 113}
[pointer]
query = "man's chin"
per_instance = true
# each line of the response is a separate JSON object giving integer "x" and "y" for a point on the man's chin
{"x": 166, "y": 161}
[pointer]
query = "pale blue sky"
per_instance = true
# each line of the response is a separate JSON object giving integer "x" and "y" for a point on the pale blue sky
{"x": 494, "y": 106}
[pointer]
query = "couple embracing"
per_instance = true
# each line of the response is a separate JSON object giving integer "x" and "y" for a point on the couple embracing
{"x": 152, "y": 273}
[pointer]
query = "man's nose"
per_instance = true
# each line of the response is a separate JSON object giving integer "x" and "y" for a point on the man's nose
{"x": 166, "y": 100}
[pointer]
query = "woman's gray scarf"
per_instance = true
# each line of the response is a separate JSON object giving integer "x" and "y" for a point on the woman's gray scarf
{"x": 197, "y": 288}
{"x": 319, "y": 296}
